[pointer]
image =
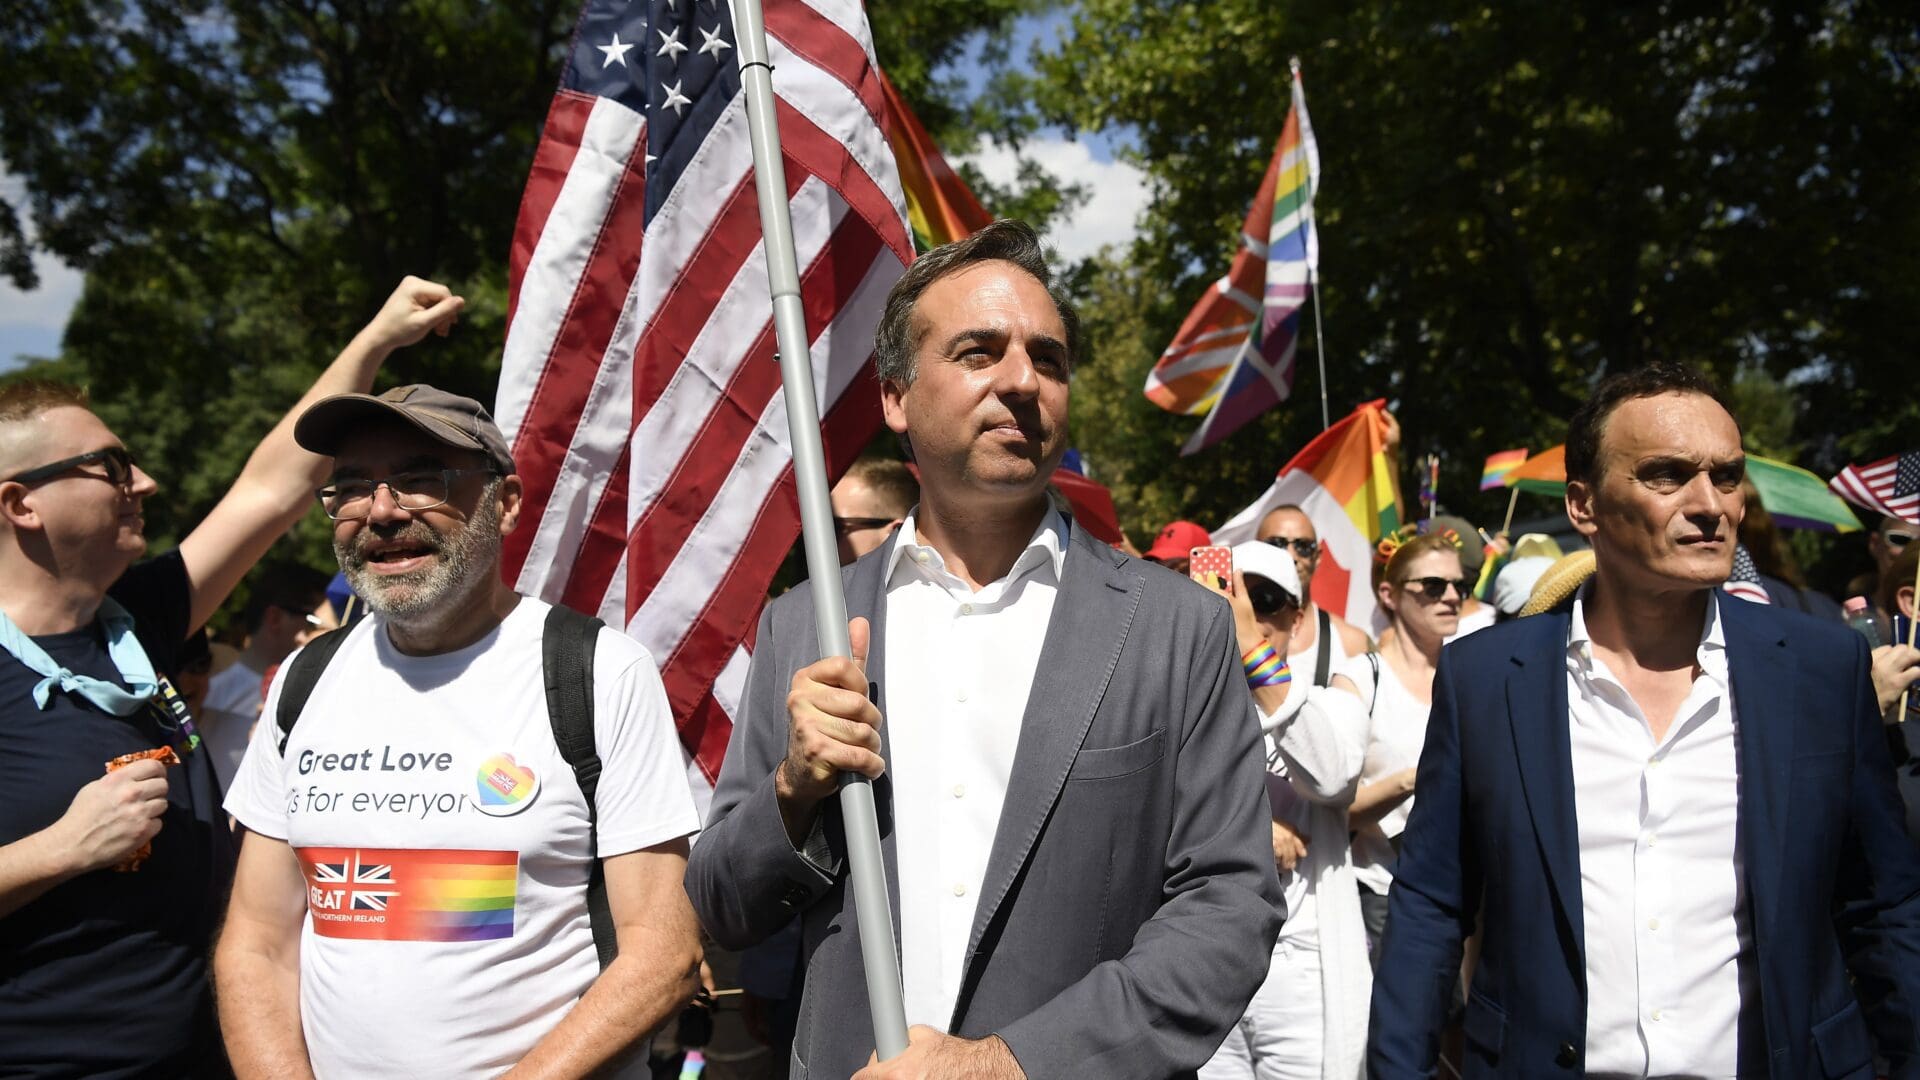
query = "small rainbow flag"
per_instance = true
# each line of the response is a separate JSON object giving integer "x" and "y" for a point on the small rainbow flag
{"x": 940, "y": 206}
{"x": 433, "y": 894}
{"x": 1233, "y": 357}
{"x": 1494, "y": 473}
{"x": 1343, "y": 482}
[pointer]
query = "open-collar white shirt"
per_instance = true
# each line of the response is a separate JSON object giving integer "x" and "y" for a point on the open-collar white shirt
{"x": 959, "y": 666}
{"x": 1669, "y": 945}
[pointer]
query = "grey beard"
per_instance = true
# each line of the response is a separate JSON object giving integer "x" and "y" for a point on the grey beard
{"x": 466, "y": 558}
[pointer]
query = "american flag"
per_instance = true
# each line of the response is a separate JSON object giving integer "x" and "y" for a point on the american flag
{"x": 1745, "y": 581}
{"x": 1890, "y": 486}
{"x": 638, "y": 387}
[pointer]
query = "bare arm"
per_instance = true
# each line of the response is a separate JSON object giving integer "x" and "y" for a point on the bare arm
{"x": 657, "y": 971}
{"x": 1373, "y": 801}
{"x": 106, "y": 822}
{"x": 276, "y": 486}
{"x": 256, "y": 967}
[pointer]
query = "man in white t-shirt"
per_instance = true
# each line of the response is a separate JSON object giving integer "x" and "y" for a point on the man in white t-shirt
{"x": 417, "y": 852}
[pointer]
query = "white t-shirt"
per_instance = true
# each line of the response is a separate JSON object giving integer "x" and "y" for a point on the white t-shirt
{"x": 445, "y": 842}
{"x": 1398, "y": 734}
{"x": 226, "y": 719}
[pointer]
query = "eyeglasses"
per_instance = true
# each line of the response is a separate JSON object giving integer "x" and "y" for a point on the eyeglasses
{"x": 1898, "y": 541}
{"x": 1433, "y": 588}
{"x": 115, "y": 459}
{"x": 845, "y": 525}
{"x": 1268, "y": 598}
{"x": 352, "y": 500}
{"x": 1303, "y": 546}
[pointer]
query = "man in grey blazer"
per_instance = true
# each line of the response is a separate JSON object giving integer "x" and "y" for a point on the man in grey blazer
{"x": 1070, "y": 791}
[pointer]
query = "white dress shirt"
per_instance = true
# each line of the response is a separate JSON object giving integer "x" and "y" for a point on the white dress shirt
{"x": 1662, "y": 889}
{"x": 959, "y": 665}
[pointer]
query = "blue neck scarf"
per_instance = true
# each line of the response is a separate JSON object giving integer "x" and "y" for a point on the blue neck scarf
{"x": 122, "y": 646}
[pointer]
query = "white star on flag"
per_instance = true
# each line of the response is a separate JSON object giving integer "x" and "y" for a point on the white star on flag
{"x": 711, "y": 42}
{"x": 616, "y": 51}
{"x": 670, "y": 43}
{"x": 676, "y": 101}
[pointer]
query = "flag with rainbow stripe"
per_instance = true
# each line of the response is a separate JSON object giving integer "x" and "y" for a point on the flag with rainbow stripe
{"x": 1494, "y": 474}
{"x": 940, "y": 206}
{"x": 1346, "y": 485}
{"x": 1234, "y": 356}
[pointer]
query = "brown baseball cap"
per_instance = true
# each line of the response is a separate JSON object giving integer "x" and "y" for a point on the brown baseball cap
{"x": 448, "y": 418}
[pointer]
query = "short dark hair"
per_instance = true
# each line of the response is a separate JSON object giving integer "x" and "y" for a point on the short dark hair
{"x": 1003, "y": 241}
{"x": 28, "y": 398}
{"x": 289, "y": 587}
{"x": 889, "y": 479}
{"x": 1651, "y": 380}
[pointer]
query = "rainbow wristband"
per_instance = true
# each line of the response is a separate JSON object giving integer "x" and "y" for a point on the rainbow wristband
{"x": 1266, "y": 667}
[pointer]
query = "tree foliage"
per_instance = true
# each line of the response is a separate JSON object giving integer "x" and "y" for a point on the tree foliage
{"x": 1516, "y": 199}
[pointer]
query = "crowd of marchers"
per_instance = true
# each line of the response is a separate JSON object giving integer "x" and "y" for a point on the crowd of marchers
{"x": 1567, "y": 806}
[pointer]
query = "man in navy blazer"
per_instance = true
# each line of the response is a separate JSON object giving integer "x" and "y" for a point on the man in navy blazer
{"x": 1669, "y": 811}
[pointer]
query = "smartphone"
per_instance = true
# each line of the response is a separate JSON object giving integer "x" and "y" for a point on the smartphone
{"x": 1202, "y": 562}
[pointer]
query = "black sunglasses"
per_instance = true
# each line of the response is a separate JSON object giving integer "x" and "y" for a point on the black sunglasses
{"x": 1302, "y": 546}
{"x": 115, "y": 459}
{"x": 1268, "y": 598}
{"x": 845, "y": 525}
{"x": 1433, "y": 588}
{"x": 1898, "y": 541}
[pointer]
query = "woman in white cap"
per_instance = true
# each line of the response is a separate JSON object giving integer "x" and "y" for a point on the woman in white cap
{"x": 1309, "y": 1019}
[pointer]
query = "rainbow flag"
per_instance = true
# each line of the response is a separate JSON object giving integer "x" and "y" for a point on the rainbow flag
{"x": 386, "y": 894}
{"x": 1233, "y": 357}
{"x": 940, "y": 206}
{"x": 1494, "y": 474}
{"x": 1343, "y": 482}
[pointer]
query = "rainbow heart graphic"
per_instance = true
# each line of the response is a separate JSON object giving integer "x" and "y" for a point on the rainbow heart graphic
{"x": 505, "y": 786}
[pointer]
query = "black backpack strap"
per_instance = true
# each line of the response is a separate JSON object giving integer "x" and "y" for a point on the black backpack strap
{"x": 303, "y": 673}
{"x": 566, "y": 661}
{"x": 1324, "y": 665}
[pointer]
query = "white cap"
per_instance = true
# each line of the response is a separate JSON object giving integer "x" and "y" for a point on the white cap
{"x": 1515, "y": 582}
{"x": 1257, "y": 558}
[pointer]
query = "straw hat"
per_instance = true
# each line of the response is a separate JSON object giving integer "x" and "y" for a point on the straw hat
{"x": 1560, "y": 582}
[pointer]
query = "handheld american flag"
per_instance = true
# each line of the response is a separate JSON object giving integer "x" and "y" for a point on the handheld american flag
{"x": 1890, "y": 486}
{"x": 638, "y": 388}
{"x": 1233, "y": 358}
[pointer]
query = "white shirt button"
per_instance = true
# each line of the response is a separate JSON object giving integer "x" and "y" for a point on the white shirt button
{"x": 1654, "y": 763}
{"x": 966, "y": 609}
{"x": 959, "y": 695}
{"x": 960, "y": 889}
{"x": 1658, "y": 1016}
{"x": 1653, "y": 924}
{"x": 959, "y": 791}
{"x": 920, "y": 556}
{"x": 1649, "y": 839}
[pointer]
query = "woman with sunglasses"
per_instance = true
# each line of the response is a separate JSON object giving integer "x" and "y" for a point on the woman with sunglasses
{"x": 1308, "y": 1021}
{"x": 1421, "y": 584}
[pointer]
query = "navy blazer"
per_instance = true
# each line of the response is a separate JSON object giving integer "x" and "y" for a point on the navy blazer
{"x": 1833, "y": 880}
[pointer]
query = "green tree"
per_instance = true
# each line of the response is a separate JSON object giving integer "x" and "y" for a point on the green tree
{"x": 1517, "y": 198}
{"x": 244, "y": 181}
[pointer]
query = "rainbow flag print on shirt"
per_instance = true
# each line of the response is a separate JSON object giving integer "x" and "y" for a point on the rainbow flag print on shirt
{"x": 399, "y": 895}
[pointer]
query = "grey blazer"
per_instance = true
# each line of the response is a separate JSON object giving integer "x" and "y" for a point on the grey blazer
{"x": 1130, "y": 903}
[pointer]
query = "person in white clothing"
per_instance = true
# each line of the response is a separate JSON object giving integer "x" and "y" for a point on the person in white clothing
{"x": 1321, "y": 632}
{"x": 1421, "y": 585}
{"x": 279, "y": 613}
{"x": 1308, "y": 1021}
{"x": 412, "y": 895}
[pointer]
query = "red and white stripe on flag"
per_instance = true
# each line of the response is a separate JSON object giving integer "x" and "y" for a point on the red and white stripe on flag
{"x": 638, "y": 388}
{"x": 1889, "y": 487}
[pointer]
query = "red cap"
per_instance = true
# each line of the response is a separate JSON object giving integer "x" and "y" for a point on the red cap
{"x": 1177, "y": 541}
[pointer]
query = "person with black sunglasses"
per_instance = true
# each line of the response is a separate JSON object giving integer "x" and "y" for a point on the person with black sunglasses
{"x": 1421, "y": 585}
{"x": 1324, "y": 643}
{"x": 103, "y": 969}
{"x": 1308, "y": 1020}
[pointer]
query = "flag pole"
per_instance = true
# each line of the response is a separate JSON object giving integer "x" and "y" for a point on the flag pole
{"x": 872, "y": 908}
{"x": 1313, "y": 282}
{"x": 1512, "y": 501}
{"x": 1912, "y": 625}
